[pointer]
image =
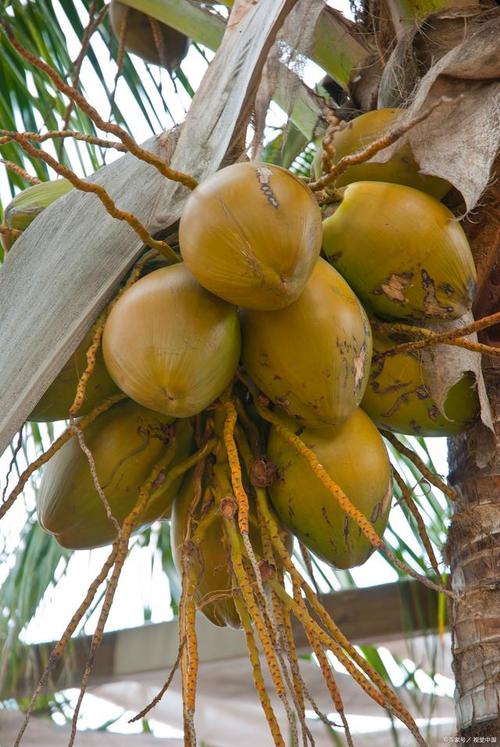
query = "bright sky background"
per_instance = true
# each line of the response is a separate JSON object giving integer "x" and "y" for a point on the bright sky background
{"x": 143, "y": 582}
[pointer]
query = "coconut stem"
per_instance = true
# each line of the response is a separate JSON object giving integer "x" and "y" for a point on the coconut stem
{"x": 337, "y": 637}
{"x": 121, "y": 52}
{"x": 300, "y": 611}
{"x": 253, "y": 655}
{"x": 300, "y": 687}
{"x": 95, "y": 479}
{"x": 60, "y": 646}
{"x": 157, "y": 698}
{"x": 19, "y": 170}
{"x": 450, "y": 337}
{"x": 6, "y": 136}
{"x": 346, "y": 505}
{"x": 94, "y": 22}
{"x": 256, "y": 616}
{"x": 121, "y": 544}
{"x": 327, "y": 673}
{"x": 235, "y": 467}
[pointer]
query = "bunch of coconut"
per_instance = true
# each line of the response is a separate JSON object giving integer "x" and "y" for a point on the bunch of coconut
{"x": 253, "y": 300}
{"x": 407, "y": 258}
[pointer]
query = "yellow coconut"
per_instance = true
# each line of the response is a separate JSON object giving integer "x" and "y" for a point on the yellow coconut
{"x": 251, "y": 234}
{"x": 355, "y": 457}
{"x": 398, "y": 397}
{"x": 171, "y": 345}
{"x": 313, "y": 357}
{"x": 29, "y": 203}
{"x": 401, "y": 167}
{"x": 149, "y": 39}
{"x": 126, "y": 442}
{"x": 403, "y": 252}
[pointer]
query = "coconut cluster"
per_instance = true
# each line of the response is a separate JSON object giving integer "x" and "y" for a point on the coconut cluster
{"x": 252, "y": 300}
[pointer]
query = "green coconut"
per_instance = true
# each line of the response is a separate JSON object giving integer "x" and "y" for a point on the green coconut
{"x": 171, "y": 345}
{"x": 403, "y": 252}
{"x": 55, "y": 403}
{"x": 313, "y": 357}
{"x": 167, "y": 48}
{"x": 29, "y": 203}
{"x": 398, "y": 397}
{"x": 356, "y": 459}
{"x": 126, "y": 442}
{"x": 401, "y": 168}
{"x": 251, "y": 234}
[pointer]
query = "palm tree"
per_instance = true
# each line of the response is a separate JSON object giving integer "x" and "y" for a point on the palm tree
{"x": 393, "y": 52}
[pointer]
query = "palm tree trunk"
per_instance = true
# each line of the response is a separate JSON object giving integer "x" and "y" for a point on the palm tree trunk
{"x": 474, "y": 557}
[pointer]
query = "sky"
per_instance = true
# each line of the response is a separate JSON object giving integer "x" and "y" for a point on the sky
{"x": 143, "y": 583}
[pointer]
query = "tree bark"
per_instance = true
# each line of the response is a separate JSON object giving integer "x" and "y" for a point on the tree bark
{"x": 474, "y": 557}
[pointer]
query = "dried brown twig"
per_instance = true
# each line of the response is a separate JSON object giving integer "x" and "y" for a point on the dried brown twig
{"x": 6, "y": 136}
{"x": 450, "y": 337}
{"x": 408, "y": 499}
{"x": 16, "y": 169}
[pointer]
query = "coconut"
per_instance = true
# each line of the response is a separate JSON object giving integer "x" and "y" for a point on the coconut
{"x": 403, "y": 252}
{"x": 209, "y": 554}
{"x": 208, "y": 551}
{"x": 167, "y": 49}
{"x": 251, "y": 234}
{"x": 398, "y": 397}
{"x": 356, "y": 459}
{"x": 171, "y": 345}
{"x": 313, "y": 357}
{"x": 401, "y": 168}
{"x": 29, "y": 203}
{"x": 126, "y": 442}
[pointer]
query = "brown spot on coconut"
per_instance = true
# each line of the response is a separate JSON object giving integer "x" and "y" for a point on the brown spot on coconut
{"x": 386, "y": 234}
{"x": 323, "y": 366}
{"x": 398, "y": 398}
